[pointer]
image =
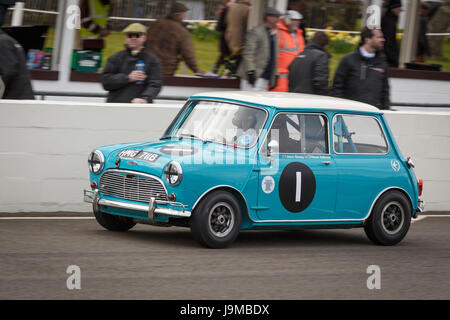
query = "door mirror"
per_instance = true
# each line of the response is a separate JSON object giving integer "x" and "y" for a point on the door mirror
{"x": 410, "y": 163}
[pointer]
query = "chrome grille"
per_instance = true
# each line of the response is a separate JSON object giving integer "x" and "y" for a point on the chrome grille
{"x": 131, "y": 186}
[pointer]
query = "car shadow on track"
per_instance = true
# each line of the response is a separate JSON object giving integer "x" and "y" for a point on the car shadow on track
{"x": 286, "y": 238}
{"x": 181, "y": 237}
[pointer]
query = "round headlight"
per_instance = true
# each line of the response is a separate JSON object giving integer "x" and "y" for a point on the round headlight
{"x": 173, "y": 173}
{"x": 96, "y": 161}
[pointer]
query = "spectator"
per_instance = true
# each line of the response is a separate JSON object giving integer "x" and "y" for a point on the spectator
{"x": 439, "y": 23}
{"x": 94, "y": 23}
{"x": 290, "y": 44}
{"x": 423, "y": 48}
{"x": 13, "y": 70}
{"x": 308, "y": 73}
{"x": 169, "y": 39}
{"x": 120, "y": 77}
{"x": 221, "y": 27}
{"x": 258, "y": 68}
{"x": 236, "y": 21}
{"x": 4, "y": 5}
{"x": 301, "y": 7}
{"x": 389, "y": 29}
{"x": 362, "y": 75}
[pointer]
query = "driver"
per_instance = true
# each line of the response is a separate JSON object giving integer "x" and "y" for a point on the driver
{"x": 245, "y": 121}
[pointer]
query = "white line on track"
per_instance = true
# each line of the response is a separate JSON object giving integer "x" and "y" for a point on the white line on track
{"x": 436, "y": 215}
{"x": 418, "y": 219}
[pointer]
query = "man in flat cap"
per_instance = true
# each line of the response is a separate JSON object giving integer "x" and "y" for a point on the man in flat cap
{"x": 169, "y": 40}
{"x": 258, "y": 68}
{"x": 132, "y": 75}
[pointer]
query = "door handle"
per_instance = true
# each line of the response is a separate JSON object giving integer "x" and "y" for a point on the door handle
{"x": 327, "y": 163}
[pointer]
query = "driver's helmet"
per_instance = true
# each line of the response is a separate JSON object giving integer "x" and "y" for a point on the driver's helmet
{"x": 244, "y": 113}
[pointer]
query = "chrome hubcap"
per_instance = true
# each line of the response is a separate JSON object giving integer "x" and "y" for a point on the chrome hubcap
{"x": 221, "y": 219}
{"x": 392, "y": 217}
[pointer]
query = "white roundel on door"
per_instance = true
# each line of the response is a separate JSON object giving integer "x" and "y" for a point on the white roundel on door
{"x": 268, "y": 184}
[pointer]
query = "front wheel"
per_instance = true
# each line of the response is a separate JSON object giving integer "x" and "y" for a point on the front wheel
{"x": 390, "y": 219}
{"x": 216, "y": 222}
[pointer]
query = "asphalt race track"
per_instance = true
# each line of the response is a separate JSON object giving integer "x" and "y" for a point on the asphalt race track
{"x": 166, "y": 263}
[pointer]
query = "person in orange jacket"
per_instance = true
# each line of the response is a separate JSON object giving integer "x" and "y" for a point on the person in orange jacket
{"x": 290, "y": 43}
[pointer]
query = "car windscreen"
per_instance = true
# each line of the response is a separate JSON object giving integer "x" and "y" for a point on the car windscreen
{"x": 222, "y": 122}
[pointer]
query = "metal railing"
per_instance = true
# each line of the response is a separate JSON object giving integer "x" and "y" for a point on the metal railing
{"x": 44, "y": 94}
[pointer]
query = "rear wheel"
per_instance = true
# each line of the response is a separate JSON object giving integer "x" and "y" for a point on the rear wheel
{"x": 217, "y": 220}
{"x": 112, "y": 222}
{"x": 390, "y": 219}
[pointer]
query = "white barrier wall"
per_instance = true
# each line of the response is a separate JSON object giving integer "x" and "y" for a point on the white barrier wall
{"x": 44, "y": 148}
{"x": 419, "y": 91}
{"x": 425, "y": 137}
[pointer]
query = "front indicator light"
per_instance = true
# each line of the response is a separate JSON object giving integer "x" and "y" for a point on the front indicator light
{"x": 172, "y": 197}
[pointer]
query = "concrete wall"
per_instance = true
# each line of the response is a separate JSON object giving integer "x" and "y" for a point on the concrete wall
{"x": 44, "y": 148}
{"x": 425, "y": 137}
{"x": 419, "y": 91}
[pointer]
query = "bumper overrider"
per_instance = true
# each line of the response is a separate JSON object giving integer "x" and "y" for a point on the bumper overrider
{"x": 92, "y": 196}
{"x": 420, "y": 205}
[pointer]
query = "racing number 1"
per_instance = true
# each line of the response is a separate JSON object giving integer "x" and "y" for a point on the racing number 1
{"x": 298, "y": 186}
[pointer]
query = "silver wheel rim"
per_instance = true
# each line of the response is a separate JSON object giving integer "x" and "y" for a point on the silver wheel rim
{"x": 221, "y": 219}
{"x": 392, "y": 217}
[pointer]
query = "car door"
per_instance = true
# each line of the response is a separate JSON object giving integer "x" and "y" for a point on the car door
{"x": 297, "y": 179}
{"x": 366, "y": 165}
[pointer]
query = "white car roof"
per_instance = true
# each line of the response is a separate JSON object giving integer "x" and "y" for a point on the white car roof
{"x": 290, "y": 100}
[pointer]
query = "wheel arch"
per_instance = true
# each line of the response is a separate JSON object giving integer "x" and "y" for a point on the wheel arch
{"x": 236, "y": 193}
{"x": 387, "y": 190}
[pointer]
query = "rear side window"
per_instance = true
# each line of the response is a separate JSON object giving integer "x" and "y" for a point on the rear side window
{"x": 358, "y": 134}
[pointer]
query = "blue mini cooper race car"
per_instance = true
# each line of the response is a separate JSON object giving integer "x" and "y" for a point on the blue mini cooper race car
{"x": 234, "y": 161}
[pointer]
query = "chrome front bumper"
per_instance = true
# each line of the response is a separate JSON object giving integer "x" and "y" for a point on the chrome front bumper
{"x": 151, "y": 209}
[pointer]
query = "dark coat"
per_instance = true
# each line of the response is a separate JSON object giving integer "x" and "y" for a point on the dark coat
{"x": 114, "y": 77}
{"x": 13, "y": 69}
{"x": 362, "y": 79}
{"x": 389, "y": 29}
{"x": 222, "y": 27}
{"x": 8, "y": 2}
{"x": 423, "y": 48}
{"x": 171, "y": 42}
{"x": 308, "y": 73}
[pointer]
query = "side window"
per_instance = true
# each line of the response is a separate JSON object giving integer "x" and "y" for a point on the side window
{"x": 358, "y": 134}
{"x": 300, "y": 133}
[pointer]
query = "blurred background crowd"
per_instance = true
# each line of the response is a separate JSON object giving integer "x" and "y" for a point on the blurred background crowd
{"x": 211, "y": 38}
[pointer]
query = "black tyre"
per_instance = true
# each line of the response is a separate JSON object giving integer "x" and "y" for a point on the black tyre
{"x": 216, "y": 221}
{"x": 113, "y": 223}
{"x": 390, "y": 219}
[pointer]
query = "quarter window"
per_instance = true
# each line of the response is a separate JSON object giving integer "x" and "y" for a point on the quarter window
{"x": 300, "y": 133}
{"x": 358, "y": 134}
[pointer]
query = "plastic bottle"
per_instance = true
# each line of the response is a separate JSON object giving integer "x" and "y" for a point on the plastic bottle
{"x": 140, "y": 66}
{"x": 30, "y": 59}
